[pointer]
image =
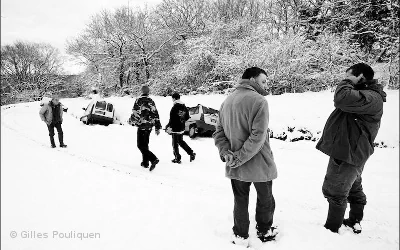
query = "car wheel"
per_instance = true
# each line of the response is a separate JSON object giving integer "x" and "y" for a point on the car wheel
{"x": 88, "y": 121}
{"x": 192, "y": 131}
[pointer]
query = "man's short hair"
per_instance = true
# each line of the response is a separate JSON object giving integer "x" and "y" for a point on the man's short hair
{"x": 362, "y": 68}
{"x": 55, "y": 96}
{"x": 253, "y": 72}
{"x": 176, "y": 96}
{"x": 145, "y": 90}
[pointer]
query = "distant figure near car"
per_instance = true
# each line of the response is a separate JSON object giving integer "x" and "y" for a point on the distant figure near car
{"x": 176, "y": 127}
{"x": 52, "y": 114}
{"x": 348, "y": 138}
{"x": 242, "y": 139}
{"x": 145, "y": 117}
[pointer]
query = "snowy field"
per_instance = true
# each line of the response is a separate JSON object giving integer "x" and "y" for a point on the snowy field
{"x": 52, "y": 198}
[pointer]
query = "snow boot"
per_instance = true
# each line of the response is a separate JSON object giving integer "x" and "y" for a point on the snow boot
{"x": 53, "y": 144}
{"x": 176, "y": 161}
{"x": 143, "y": 165}
{"x": 153, "y": 164}
{"x": 61, "y": 140}
{"x": 269, "y": 235}
{"x": 356, "y": 226}
{"x": 335, "y": 217}
{"x": 238, "y": 240}
{"x": 192, "y": 157}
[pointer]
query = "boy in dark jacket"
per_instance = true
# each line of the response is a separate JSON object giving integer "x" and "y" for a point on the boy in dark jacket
{"x": 348, "y": 138}
{"x": 52, "y": 114}
{"x": 145, "y": 117}
{"x": 176, "y": 127}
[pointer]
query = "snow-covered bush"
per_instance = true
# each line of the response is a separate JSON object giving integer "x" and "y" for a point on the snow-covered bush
{"x": 293, "y": 62}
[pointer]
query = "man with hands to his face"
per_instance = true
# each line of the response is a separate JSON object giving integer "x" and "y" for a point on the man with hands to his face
{"x": 348, "y": 139}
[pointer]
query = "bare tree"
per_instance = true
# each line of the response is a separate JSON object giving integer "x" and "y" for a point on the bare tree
{"x": 185, "y": 18}
{"x": 29, "y": 66}
{"x": 123, "y": 42}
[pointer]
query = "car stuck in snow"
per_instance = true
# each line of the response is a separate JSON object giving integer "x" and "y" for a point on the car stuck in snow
{"x": 99, "y": 112}
{"x": 203, "y": 120}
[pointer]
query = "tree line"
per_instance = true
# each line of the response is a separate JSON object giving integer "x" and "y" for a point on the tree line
{"x": 202, "y": 45}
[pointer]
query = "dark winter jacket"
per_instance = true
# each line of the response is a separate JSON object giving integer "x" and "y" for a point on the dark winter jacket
{"x": 46, "y": 113}
{"x": 56, "y": 111}
{"x": 352, "y": 127}
{"x": 178, "y": 116}
{"x": 243, "y": 129}
{"x": 145, "y": 114}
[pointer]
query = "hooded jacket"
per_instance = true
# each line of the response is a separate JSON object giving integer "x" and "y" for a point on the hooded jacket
{"x": 351, "y": 129}
{"x": 242, "y": 128}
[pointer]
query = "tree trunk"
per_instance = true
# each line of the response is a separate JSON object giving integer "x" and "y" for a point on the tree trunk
{"x": 121, "y": 73}
{"x": 146, "y": 68}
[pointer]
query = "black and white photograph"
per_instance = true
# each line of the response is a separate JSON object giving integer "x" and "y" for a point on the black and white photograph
{"x": 200, "y": 124}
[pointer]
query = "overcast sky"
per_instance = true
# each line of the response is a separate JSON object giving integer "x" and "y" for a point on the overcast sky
{"x": 53, "y": 21}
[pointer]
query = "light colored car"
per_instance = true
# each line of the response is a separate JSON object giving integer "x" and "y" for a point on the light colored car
{"x": 99, "y": 111}
{"x": 203, "y": 120}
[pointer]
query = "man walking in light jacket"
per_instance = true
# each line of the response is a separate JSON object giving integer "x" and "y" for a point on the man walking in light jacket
{"x": 52, "y": 114}
{"x": 242, "y": 139}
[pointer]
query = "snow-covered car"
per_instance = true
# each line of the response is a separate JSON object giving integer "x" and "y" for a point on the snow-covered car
{"x": 99, "y": 111}
{"x": 203, "y": 120}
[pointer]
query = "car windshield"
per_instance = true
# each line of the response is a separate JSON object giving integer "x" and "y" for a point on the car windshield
{"x": 209, "y": 110}
{"x": 101, "y": 105}
{"x": 110, "y": 107}
{"x": 194, "y": 110}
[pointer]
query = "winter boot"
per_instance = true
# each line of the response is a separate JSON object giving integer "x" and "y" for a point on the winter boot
{"x": 53, "y": 144}
{"x": 192, "y": 157}
{"x": 153, "y": 164}
{"x": 176, "y": 161}
{"x": 356, "y": 226}
{"x": 144, "y": 165}
{"x": 335, "y": 217}
{"x": 61, "y": 140}
{"x": 269, "y": 235}
{"x": 238, "y": 240}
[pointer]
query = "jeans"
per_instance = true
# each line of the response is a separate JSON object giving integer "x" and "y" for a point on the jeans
{"x": 265, "y": 207}
{"x": 59, "y": 131}
{"x": 177, "y": 140}
{"x": 143, "y": 138}
{"x": 57, "y": 126}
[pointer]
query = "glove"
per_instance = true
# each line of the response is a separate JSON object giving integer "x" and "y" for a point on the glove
{"x": 168, "y": 130}
{"x": 157, "y": 131}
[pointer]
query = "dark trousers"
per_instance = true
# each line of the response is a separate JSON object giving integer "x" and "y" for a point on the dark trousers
{"x": 177, "y": 140}
{"x": 143, "y": 138}
{"x": 342, "y": 184}
{"x": 265, "y": 207}
{"x": 59, "y": 131}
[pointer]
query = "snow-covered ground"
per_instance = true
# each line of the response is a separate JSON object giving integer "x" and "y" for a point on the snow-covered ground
{"x": 50, "y": 198}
